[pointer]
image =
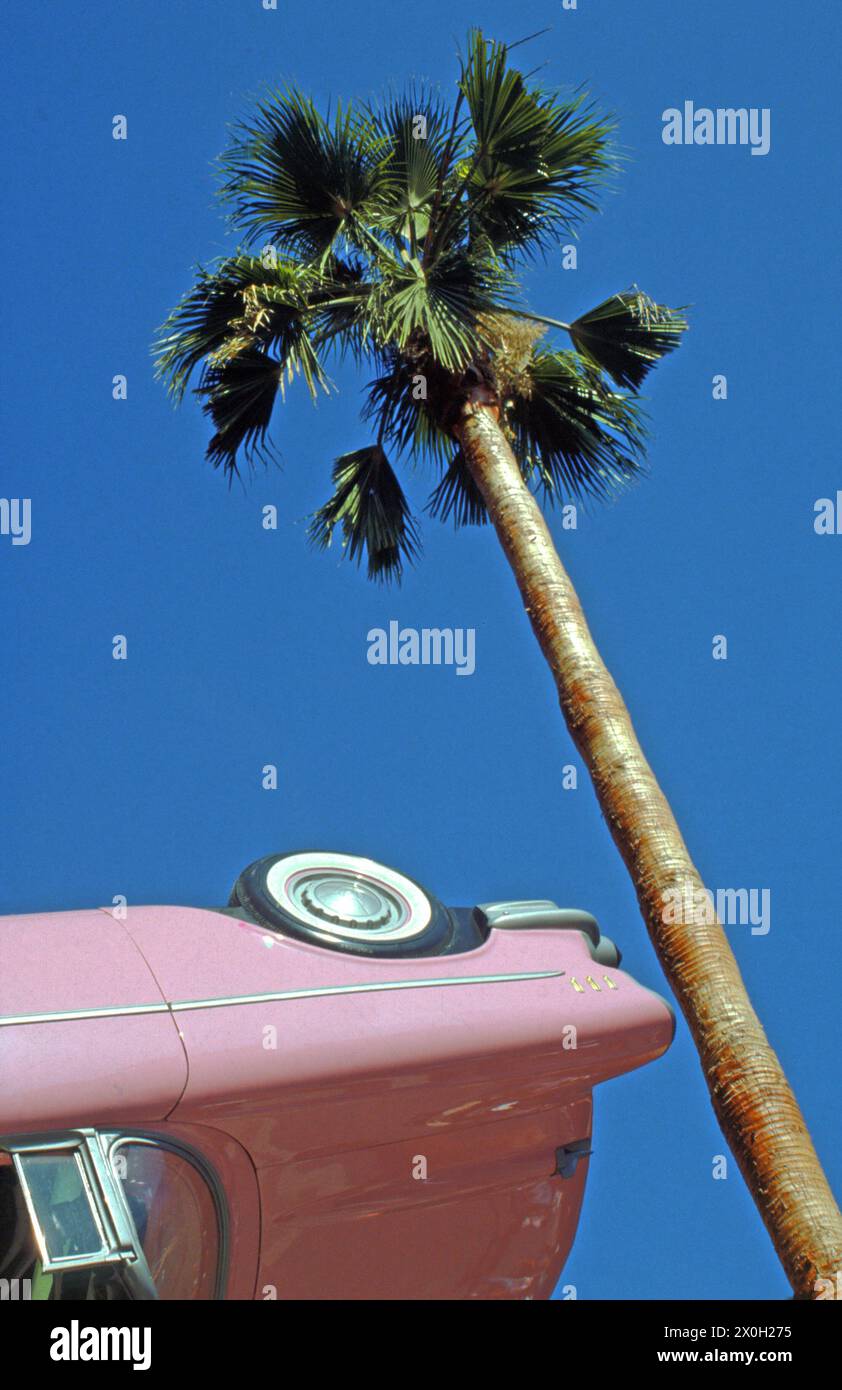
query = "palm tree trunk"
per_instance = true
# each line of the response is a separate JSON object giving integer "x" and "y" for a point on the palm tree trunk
{"x": 754, "y": 1105}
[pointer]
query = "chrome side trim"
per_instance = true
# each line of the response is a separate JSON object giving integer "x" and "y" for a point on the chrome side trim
{"x": 61, "y": 1016}
{"x": 185, "y": 1005}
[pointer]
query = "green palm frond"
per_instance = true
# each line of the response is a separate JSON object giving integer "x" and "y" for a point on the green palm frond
{"x": 627, "y": 335}
{"x": 370, "y": 507}
{"x": 505, "y": 116}
{"x": 243, "y": 303}
{"x": 337, "y": 306}
{"x": 457, "y": 495}
{"x": 441, "y": 302}
{"x": 295, "y": 178}
{"x": 239, "y": 395}
{"x": 202, "y": 320}
{"x": 399, "y": 400}
{"x": 414, "y": 130}
{"x": 281, "y": 326}
{"x": 573, "y": 437}
{"x": 538, "y": 158}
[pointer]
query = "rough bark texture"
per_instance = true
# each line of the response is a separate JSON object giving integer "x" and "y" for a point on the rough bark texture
{"x": 754, "y": 1105}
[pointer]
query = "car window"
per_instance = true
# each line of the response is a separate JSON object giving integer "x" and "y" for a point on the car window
{"x": 21, "y": 1273}
{"x": 171, "y": 1204}
{"x": 175, "y": 1216}
{"x": 56, "y": 1183}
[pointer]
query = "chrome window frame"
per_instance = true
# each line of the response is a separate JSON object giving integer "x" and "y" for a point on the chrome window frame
{"x": 119, "y": 1246}
{"x": 116, "y": 1138}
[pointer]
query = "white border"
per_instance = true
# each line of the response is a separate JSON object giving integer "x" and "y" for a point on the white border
{"x": 282, "y": 870}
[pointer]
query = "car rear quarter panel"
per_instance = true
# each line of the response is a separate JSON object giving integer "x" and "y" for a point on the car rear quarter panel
{"x": 404, "y": 1141}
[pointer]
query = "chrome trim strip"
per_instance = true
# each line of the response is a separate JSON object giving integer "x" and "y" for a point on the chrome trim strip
{"x": 107, "y": 1012}
{"x": 185, "y": 1005}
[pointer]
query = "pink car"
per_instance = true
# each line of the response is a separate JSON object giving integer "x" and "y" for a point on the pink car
{"x": 333, "y": 1088}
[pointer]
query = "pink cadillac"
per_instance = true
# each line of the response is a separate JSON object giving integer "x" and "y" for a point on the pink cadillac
{"x": 335, "y": 1087}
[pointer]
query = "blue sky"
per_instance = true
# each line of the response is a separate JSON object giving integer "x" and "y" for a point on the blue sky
{"x": 245, "y": 647}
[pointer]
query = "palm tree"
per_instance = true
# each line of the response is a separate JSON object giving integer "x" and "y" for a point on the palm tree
{"x": 394, "y": 231}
